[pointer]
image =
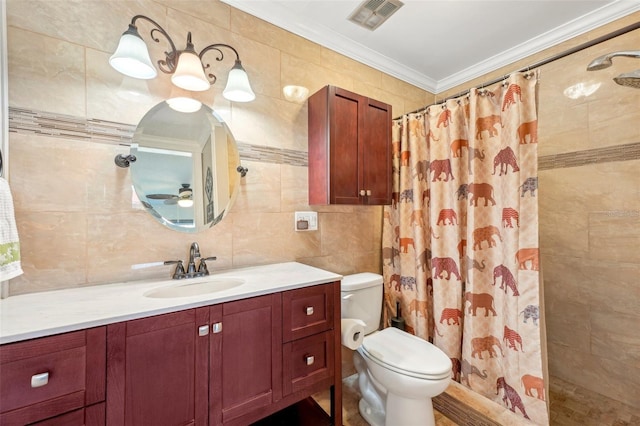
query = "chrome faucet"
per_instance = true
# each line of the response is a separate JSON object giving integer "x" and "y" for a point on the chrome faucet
{"x": 191, "y": 272}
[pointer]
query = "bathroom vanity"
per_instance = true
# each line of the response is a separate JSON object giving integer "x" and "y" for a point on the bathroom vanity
{"x": 134, "y": 353}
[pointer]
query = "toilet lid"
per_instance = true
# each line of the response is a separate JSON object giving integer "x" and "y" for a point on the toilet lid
{"x": 407, "y": 354}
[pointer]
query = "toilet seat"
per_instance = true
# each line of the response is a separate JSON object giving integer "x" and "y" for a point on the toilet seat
{"x": 406, "y": 354}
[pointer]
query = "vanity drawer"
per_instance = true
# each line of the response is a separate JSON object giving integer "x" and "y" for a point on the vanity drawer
{"x": 307, "y": 311}
{"x": 307, "y": 361}
{"x": 45, "y": 377}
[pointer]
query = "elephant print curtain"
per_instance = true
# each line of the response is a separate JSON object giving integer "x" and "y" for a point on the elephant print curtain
{"x": 460, "y": 240}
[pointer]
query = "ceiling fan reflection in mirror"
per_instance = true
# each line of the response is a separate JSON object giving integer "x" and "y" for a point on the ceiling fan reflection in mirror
{"x": 184, "y": 197}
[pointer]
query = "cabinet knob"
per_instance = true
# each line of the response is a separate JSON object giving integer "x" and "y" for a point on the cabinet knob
{"x": 362, "y": 192}
{"x": 216, "y": 327}
{"x": 309, "y": 310}
{"x": 368, "y": 193}
{"x": 309, "y": 359}
{"x": 38, "y": 380}
{"x": 203, "y": 330}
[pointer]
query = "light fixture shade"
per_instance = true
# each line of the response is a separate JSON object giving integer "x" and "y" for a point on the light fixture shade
{"x": 189, "y": 74}
{"x": 131, "y": 58}
{"x": 184, "y": 104}
{"x": 238, "y": 88}
{"x": 185, "y": 202}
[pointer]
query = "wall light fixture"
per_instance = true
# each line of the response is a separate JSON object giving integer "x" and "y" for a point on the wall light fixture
{"x": 188, "y": 70}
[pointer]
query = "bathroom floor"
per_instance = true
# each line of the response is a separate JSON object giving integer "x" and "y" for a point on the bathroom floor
{"x": 570, "y": 406}
{"x": 573, "y": 406}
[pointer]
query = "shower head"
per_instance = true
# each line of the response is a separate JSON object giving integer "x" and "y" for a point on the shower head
{"x": 630, "y": 79}
{"x": 604, "y": 61}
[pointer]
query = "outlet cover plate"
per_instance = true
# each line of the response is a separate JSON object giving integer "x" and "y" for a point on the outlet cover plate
{"x": 305, "y": 221}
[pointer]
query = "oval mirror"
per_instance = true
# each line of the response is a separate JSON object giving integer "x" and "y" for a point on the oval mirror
{"x": 185, "y": 173}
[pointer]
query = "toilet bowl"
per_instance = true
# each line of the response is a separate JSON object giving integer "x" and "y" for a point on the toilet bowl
{"x": 398, "y": 373}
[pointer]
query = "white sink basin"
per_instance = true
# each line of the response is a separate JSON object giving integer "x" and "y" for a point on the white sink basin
{"x": 195, "y": 289}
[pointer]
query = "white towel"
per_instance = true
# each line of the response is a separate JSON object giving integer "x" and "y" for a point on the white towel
{"x": 9, "y": 244}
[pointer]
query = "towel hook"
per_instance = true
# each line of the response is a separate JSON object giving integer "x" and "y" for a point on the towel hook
{"x": 124, "y": 160}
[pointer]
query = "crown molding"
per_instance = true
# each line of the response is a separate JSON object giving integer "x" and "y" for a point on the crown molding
{"x": 578, "y": 26}
{"x": 281, "y": 17}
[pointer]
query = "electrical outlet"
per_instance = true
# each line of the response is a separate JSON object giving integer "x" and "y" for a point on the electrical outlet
{"x": 305, "y": 221}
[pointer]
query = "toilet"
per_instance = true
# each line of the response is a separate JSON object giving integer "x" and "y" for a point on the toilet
{"x": 398, "y": 373}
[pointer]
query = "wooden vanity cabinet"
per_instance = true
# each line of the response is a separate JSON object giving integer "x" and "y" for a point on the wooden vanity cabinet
{"x": 349, "y": 148}
{"x": 230, "y": 364}
{"x": 55, "y": 380}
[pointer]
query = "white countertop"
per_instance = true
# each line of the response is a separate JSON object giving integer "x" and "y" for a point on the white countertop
{"x": 41, "y": 314}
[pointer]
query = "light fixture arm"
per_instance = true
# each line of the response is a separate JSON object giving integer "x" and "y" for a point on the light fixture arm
{"x": 167, "y": 65}
{"x": 212, "y": 78}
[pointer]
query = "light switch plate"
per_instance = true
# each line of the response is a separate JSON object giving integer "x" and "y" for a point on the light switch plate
{"x": 305, "y": 221}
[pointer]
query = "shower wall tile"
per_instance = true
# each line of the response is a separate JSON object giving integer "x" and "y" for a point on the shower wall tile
{"x": 614, "y": 120}
{"x": 609, "y": 286}
{"x": 615, "y": 236}
{"x": 615, "y": 336}
{"x": 614, "y": 379}
{"x": 562, "y": 277}
{"x": 572, "y": 327}
{"x": 561, "y": 124}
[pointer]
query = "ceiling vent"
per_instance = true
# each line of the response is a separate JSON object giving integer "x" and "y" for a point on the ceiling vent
{"x": 370, "y": 14}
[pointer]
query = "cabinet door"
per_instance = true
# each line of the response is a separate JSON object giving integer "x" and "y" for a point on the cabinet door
{"x": 157, "y": 370}
{"x": 246, "y": 357}
{"x": 346, "y": 122}
{"x": 375, "y": 152}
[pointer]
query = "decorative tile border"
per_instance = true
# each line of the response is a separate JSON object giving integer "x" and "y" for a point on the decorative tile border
{"x": 590, "y": 156}
{"x": 41, "y": 123}
{"x": 27, "y": 121}
{"x": 266, "y": 154}
{"x": 69, "y": 127}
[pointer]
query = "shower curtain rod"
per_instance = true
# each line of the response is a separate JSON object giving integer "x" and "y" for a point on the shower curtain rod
{"x": 538, "y": 64}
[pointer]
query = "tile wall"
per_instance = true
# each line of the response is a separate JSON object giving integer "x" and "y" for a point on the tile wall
{"x": 69, "y": 110}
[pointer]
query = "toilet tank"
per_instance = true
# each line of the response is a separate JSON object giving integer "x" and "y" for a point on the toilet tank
{"x": 362, "y": 299}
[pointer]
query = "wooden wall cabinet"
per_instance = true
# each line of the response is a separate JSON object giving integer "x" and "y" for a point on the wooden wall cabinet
{"x": 349, "y": 148}
{"x": 56, "y": 380}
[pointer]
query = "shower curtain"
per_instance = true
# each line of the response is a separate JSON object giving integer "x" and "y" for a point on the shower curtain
{"x": 460, "y": 239}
